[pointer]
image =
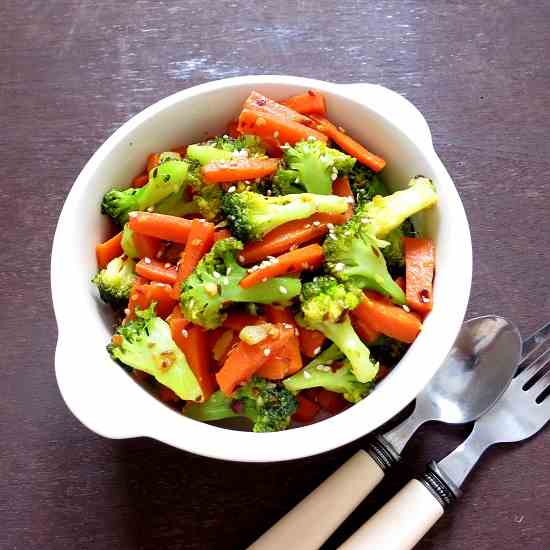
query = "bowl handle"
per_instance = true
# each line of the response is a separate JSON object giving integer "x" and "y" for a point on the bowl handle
{"x": 392, "y": 105}
{"x": 95, "y": 400}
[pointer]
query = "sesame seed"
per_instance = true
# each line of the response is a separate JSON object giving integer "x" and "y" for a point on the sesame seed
{"x": 216, "y": 274}
{"x": 167, "y": 265}
{"x": 406, "y": 308}
{"x": 316, "y": 223}
{"x": 241, "y": 258}
{"x": 147, "y": 260}
{"x": 267, "y": 352}
{"x": 196, "y": 242}
{"x": 264, "y": 280}
{"x": 268, "y": 192}
{"x": 342, "y": 129}
{"x": 332, "y": 236}
{"x": 349, "y": 200}
{"x": 126, "y": 311}
{"x": 276, "y": 134}
{"x": 307, "y": 226}
{"x": 134, "y": 297}
{"x": 365, "y": 220}
{"x": 330, "y": 226}
{"x": 339, "y": 266}
{"x": 287, "y": 325}
{"x": 317, "y": 350}
{"x": 150, "y": 209}
{"x": 333, "y": 176}
{"x": 307, "y": 375}
{"x": 283, "y": 290}
{"x": 229, "y": 271}
{"x": 232, "y": 189}
{"x": 226, "y": 280}
{"x": 133, "y": 214}
{"x": 311, "y": 138}
{"x": 184, "y": 333}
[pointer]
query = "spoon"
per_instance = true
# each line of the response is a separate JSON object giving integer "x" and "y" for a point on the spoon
{"x": 474, "y": 375}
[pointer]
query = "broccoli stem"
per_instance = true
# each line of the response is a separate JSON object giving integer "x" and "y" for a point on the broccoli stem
{"x": 345, "y": 337}
{"x": 280, "y": 289}
{"x": 206, "y": 153}
{"x": 216, "y": 408}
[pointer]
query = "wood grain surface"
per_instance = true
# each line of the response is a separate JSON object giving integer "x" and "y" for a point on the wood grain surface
{"x": 73, "y": 71}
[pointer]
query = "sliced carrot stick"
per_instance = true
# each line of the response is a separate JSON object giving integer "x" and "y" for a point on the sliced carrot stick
{"x": 156, "y": 271}
{"x": 288, "y": 235}
{"x": 221, "y": 234}
{"x": 301, "y": 259}
{"x": 262, "y": 104}
{"x": 349, "y": 145}
{"x": 342, "y": 188}
{"x": 288, "y": 359}
{"x": 387, "y": 318}
{"x": 311, "y": 341}
{"x": 143, "y": 295}
{"x": 308, "y": 103}
{"x": 364, "y": 329}
{"x": 199, "y": 241}
{"x": 307, "y": 410}
{"x": 147, "y": 247}
{"x": 141, "y": 180}
{"x": 244, "y": 360}
{"x": 270, "y": 127}
{"x": 176, "y": 313}
{"x": 193, "y": 341}
{"x": 108, "y": 250}
{"x": 237, "y": 320}
{"x": 153, "y": 160}
{"x": 238, "y": 170}
{"x": 419, "y": 273}
{"x": 161, "y": 226}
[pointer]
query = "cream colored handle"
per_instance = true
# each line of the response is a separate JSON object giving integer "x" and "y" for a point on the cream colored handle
{"x": 311, "y": 522}
{"x": 401, "y": 523}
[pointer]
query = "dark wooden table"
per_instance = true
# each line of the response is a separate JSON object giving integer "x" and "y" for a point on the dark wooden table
{"x": 73, "y": 71}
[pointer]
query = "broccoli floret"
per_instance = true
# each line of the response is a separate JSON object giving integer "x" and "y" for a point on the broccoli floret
{"x": 383, "y": 214}
{"x": 146, "y": 344}
{"x": 115, "y": 281}
{"x": 365, "y": 184}
{"x": 311, "y": 167}
{"x": 352, "y": 255}
{"x": 222, "y": 148}
{"x": 324, "y": 304}
{"x": 215, "y": 283}
{"x": 165, "y": 179}
{"x": 393, "y": 252}
{"x": 268, "y": 405}
{"x": 195, "y": 197}
{"x": 388, "y": 351}
{"x": 251, "y": 215}
{"x": 319, "y": 374}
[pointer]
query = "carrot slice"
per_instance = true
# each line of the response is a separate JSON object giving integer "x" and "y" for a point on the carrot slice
{"x": 238, "y": 170}
{"x": 307, "y": 410}
{"x": 193, "y": 341}
{"x": 143, "y": 295}
{"x": 161, "y": 226}
{"x": 342, "y": 188}
{"x": 364, "y": 329}
{"x": 199, "y": 241}
{"x": 153, "y": 160}
{"x": 108, "y": 250}
{"x": 147, "y": 247}
{"x": 288, "y": 359}
{"x": 262, "y": 104}
{"x": 141, "y": 180}
{"x": 176, "y": 313}
{"x": 311, "y": 341}
{"x": 291, "y": 234}
{"x": 270, "y": 127}
{"x": 308, "y": 103}
{"x": 156, "y": 271}
{"x": 419, "y": 273}
{"x": 244, "y": 360}
{"x": 231, "y": 129}
{"x": 348, "y": 144}
{"x": 308, "y": 257}
{"x": 387, "y": 318}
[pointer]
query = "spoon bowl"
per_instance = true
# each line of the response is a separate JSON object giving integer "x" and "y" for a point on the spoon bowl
{"x": 477, "y": 371}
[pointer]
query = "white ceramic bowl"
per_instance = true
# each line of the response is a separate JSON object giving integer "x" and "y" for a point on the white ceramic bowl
{"x": 110, "y": 403}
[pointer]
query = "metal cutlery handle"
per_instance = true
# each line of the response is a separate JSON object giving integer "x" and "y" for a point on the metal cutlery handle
{"x": 407, "y": 517}
{"x": 333, "y": 501}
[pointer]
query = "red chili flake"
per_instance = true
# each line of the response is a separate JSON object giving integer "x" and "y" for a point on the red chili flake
{"x": 424, "y": 295}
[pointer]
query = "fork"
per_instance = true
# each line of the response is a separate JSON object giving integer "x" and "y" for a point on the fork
{"x": 522, "y": 411}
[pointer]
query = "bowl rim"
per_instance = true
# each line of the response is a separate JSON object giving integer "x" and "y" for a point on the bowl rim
{"x": 171, "y": 427}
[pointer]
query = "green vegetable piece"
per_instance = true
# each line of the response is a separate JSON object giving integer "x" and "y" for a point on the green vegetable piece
{"x": 251, "y": 215}
{"x": 128, "y": 245}
{"x": 146, "y": 344}
{"x": 115, "y": 282}
{"x": 165, "y": 179}
{"x": 215, "y": 283}
{"x": 207, "y": 153}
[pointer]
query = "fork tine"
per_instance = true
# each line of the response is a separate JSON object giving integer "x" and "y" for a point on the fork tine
{"x": 533, "y": 343}
{"x": 540, "y": 385}
{"x": 533, "y": 367}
